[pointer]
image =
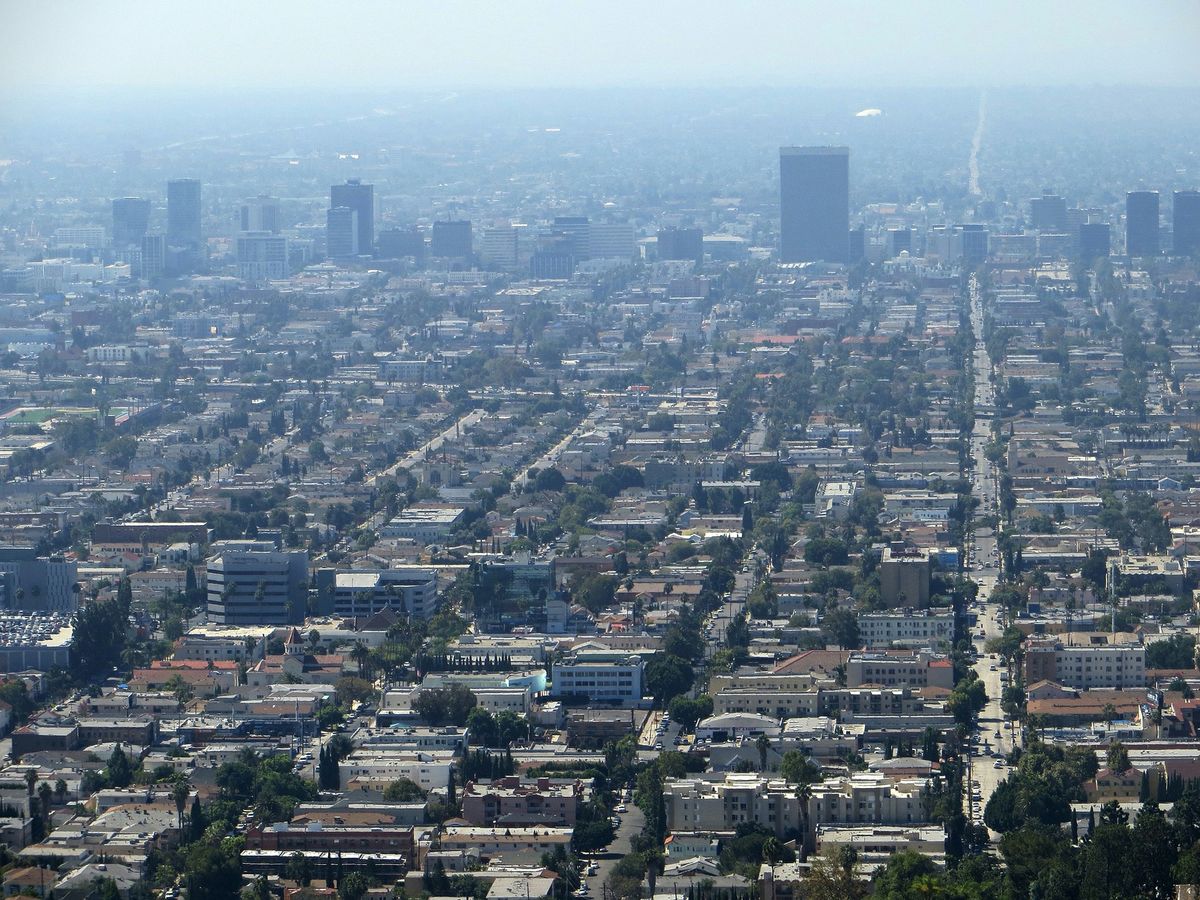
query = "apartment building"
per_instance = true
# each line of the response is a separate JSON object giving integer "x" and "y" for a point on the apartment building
{"x": 1086, "y": 666}
{"x": 907, "y": 627}
{"x": 899, "y": 669}
{"x": 514, "y": 800}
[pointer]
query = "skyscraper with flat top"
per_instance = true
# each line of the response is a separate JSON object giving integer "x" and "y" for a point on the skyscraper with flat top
{"x": 342, "y": 232}
{"x": 1185, "y": 220}
{"x": 131, "y": 218}
{"x": 361, "y": 198}
{"x": 183, "y": 213}
{"x": 1141, "y": 223}
{"x": 814, "y": 195}
{"x": 260, "y": 213}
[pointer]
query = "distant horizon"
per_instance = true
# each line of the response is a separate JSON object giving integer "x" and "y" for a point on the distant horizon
{"x": 457, "y": 44}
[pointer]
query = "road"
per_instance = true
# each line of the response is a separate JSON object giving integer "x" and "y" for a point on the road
{"x": 983, "y": 567}
{"x": 434, "y": 443}
{"x": 632, "y": 822}
{"x": 550, "y": 458}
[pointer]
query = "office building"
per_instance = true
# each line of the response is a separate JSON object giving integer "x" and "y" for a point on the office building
{"x": 1141, "y": 223}
{"x": 85, "y": 236}
{"x": 154, "y": 256}
{"x": 611, "y": 240}
{"x": 361, "y": 198}
{"x": 974, "y": 244}
{"x": 858, "y": 244}
{"x": 814, "y": 192}
{"x": 341, "y": 232}
{"x": 451, "y": 240}
{"x": 1185, "y": 220}
{"x": 130, "y": 219}
{"x": 899, "y": 240}
{"x": 42, "y": 583}
{"x": 601, "y": 681}
{"x": 262, "y": 256}
{"x": 904, "y": 574}
{"x": 499, "y": 248}
{"x": 1095, "y": 241}
{"x": 183, "y": 213}
{"x": 409, "y": 590}
{"x": 576, "y": 232}
{"x": 253, "y": 583}
{"x": 1048, "y": 212}
{"x": 260, "y": 214}
{"x": 681, "y": 243}
{"x": 397, "y": 243}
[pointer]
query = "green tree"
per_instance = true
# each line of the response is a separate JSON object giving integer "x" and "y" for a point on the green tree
{"x": 666, "y": 677}
{"x": 404, "y": 790}
{"x": 840, "y": 626}
{"x": 118, "y": 771}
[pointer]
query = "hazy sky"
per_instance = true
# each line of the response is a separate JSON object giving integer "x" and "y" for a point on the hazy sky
{"x": 455, "y": 43}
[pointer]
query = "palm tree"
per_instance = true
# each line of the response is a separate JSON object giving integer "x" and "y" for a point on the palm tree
{"x": 1109, "y": 714}
{"x": 45, "y": 793}
{"x": 180, "y": 794}
{"x": 803, "y": 795}
{"x": 361, "y": 654}
{"x": 763, "y": 744}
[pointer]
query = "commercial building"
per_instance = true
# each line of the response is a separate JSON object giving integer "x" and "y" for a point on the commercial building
{"x": 814, "y": 189}
{"x": 262, "y": 256}
{"x": 41, "y": 583}
{"x": 1141, "y": 223}
{"x": 608, "y": 682}
{"x": 341, "y": 232}
{"x": 260, "y": 213}
{"x": 904, "y": 575}
{"x": 396, "y": 243}
{"x": 451, "y": 240}
{"x": 424, "y": 524}
{"x": 183, "y": 213}
{"x": 610, "y": 240}
{"x": 361, "y": 198}
{"x": 252, "y": 583}
{"x": 681, "y": 243}
{"x": 1095, "y": 241}
{"x": 130, "y": 220}
{"x": 1185, "y": 222}
{"x": 500, "y": 248}
{"x": 35, "y": 642}
{"x": 410, "y": 590}
{"x": 1048, "y": 212}
{"x": 974, "y": 243}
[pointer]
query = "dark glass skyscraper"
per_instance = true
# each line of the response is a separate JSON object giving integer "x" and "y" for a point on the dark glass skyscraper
{"x": 814, "y": 204}
{"x": 451, "y": 240}
{"x": 1095, "y": 241}
{"x": 131, "y": 218}
{"x": 1185, "y": 220}
{"x": 1141, "y": 223}
{"x": 183, "y": 213}
{"x": 1048, "y": 212}
{"x": 681, "y": 243}
{"x": 361, "y": 198}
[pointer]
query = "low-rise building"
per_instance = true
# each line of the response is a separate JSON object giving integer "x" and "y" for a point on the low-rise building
{"x": 520, "y": 801}
{"x": 907, "y": 628}
{"x": 608, "y": 682}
